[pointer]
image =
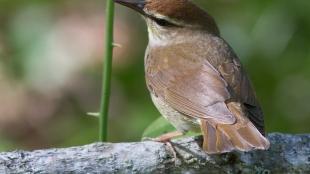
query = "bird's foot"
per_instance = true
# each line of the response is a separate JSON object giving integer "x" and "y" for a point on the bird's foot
{"x": 166, "y": 139}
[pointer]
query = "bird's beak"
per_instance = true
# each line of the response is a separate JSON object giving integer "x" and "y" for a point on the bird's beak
{"x": 137, "y": 5}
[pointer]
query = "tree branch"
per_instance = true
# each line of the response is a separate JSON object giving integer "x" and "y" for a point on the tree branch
{"x": 288, "y": 154}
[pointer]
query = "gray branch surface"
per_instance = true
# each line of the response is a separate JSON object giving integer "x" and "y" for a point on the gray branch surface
{"x": 288, "y": 154}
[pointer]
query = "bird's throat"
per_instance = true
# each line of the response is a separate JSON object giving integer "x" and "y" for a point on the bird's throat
{"x": 162, "y": 38}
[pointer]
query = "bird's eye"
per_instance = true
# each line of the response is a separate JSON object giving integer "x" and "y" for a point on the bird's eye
{"x": 163, "y": 22}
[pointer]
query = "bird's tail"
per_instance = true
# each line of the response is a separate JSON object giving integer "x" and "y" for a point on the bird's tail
{"x": 243, "y": 136}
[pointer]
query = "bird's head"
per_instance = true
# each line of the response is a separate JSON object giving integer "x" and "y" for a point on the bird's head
{"x": 168, "y": 19}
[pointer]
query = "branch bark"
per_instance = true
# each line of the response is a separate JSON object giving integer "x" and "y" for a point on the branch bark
{"x": 288, "y": 154}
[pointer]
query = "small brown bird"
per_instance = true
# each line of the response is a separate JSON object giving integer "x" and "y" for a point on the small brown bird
{"x": 196, "y": 80}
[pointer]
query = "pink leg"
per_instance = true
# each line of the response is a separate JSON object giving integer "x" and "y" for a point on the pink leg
{"x": 168, "y": 136}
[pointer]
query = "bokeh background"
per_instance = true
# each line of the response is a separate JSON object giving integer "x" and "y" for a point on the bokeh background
{"x": 51, "y": 60}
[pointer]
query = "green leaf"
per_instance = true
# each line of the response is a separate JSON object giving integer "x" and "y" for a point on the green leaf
{"x": 161, "y": 126}
{"x": 158, "y": 127}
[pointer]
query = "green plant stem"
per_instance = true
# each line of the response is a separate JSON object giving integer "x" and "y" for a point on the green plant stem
{"x": 107, "y": 70}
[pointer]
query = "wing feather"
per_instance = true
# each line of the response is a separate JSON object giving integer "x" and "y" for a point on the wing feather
{"x": 199, "y": 92}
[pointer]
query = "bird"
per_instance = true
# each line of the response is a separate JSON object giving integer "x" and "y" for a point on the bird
{"x": 196, "y": 80}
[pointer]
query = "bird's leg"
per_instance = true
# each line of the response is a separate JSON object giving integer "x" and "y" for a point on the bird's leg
{"x": 168, "y": 136}
{"x": 165, "y": 138}
{"x": 172, "y": 149}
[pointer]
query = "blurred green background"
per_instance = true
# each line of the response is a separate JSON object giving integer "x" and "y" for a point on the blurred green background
{"x": 51, "y": 59}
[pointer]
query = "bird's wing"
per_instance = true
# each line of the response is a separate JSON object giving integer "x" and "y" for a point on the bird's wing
{"x": 251, "y": 105}
{"x": 235, "y": 76}
{"x": 196, "y": 91}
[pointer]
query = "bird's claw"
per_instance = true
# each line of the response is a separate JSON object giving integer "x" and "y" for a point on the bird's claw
{"x": 169, "y": 146}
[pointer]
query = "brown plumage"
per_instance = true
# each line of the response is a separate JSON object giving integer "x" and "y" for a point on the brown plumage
{"x": 183, "y": 11}
{"x": 196, "y": 80}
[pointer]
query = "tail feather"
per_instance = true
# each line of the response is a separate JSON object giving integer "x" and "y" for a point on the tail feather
{"x": 214, "y": 140}
{"x": 225, "y": 138}
{"x": 223, "y": 143}
{"x": 243, "y": 136}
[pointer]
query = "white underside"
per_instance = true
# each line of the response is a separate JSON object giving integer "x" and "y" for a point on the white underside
{"x": 179, "y": 121}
